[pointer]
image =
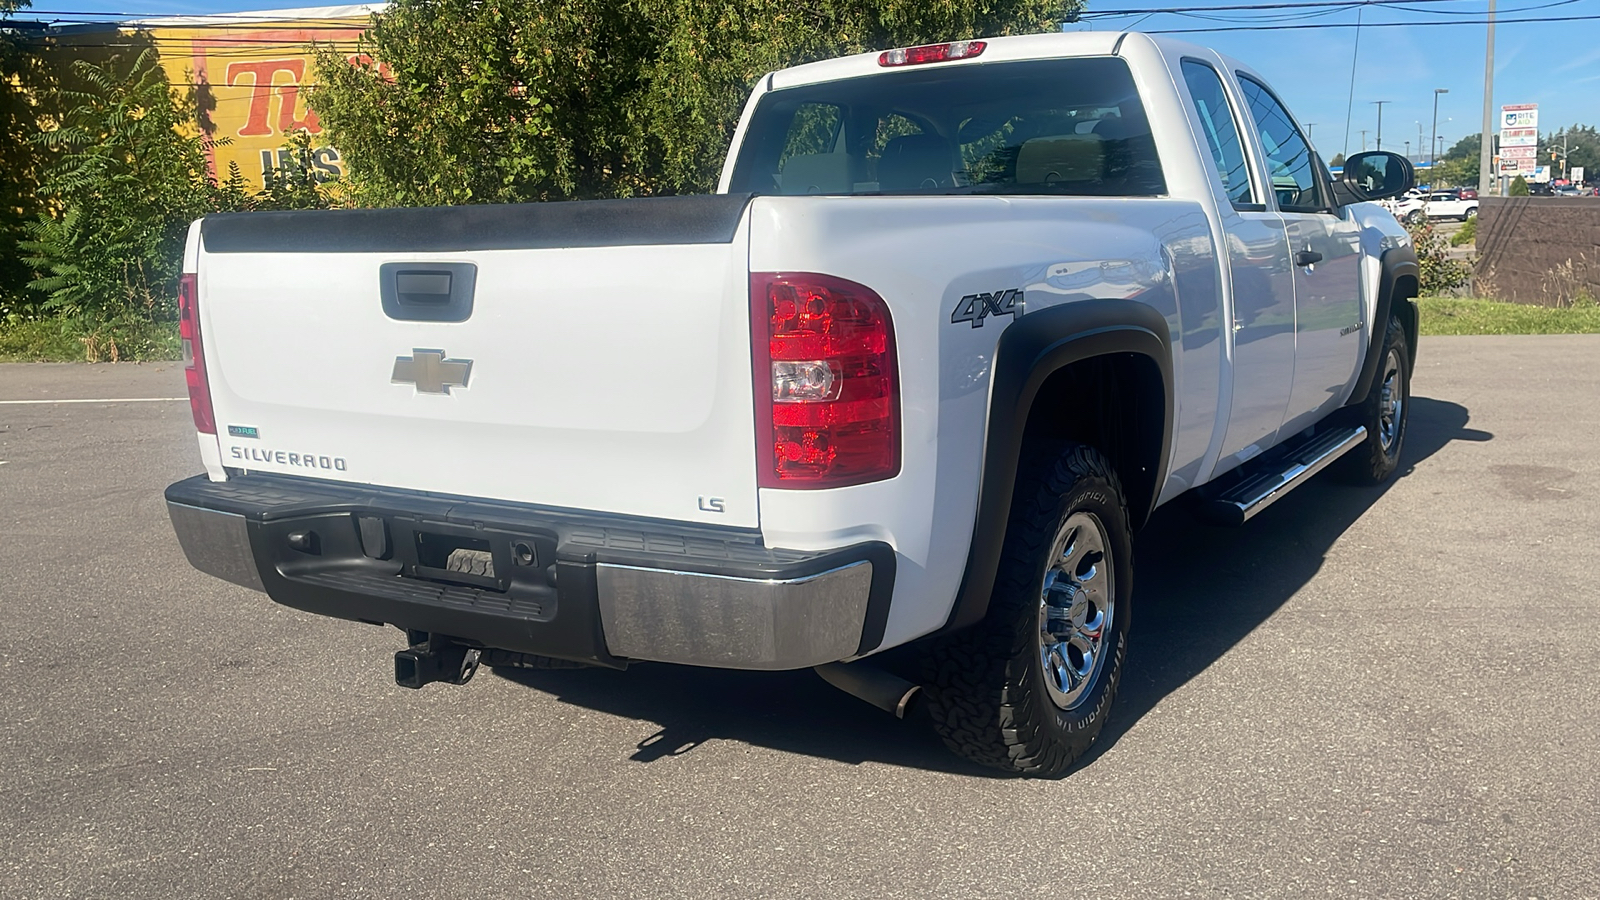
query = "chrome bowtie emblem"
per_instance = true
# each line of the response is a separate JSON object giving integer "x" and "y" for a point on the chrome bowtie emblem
{"x": 430, "y": 372}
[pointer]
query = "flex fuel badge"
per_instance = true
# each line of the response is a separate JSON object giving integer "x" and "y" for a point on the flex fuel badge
{"x": 244, "y": 431}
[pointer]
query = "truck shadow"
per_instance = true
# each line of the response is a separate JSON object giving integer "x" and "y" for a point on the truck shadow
{"x": 1200, "y": 590}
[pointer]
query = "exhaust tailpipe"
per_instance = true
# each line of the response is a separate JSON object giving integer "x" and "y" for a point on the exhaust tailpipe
{"x": 885, "y": 690}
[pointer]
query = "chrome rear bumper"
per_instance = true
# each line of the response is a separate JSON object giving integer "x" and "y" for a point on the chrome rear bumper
{"x": 601, "y": 589}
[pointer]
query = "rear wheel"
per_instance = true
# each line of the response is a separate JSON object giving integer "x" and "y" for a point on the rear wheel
{"x": 1029, "y": 688}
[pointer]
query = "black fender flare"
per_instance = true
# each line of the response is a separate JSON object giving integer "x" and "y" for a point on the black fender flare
{"x": 1396, "y": 263}
{"x": 1029, "y": 351}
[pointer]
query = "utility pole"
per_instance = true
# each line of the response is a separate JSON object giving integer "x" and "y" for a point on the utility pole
{"x": 1433, "y": 145}
{"x": 1363, "y": 140}
{"x": 1308, "y": 132}
{"x": 1486, "y": 175}
{"x": 1379, "y": 104}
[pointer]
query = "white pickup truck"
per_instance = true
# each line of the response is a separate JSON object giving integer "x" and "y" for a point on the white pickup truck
{"x": 959, "y": 318}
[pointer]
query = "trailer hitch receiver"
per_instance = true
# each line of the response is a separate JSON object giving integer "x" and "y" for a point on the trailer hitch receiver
{"x": 433, "y": 657}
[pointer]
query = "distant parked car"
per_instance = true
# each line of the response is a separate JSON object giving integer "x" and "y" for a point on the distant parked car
{"x": 1568, "y": 190}
{"x": 1437, "y": 205}
{"x": 1540, "y": 189}
{"x": 1469, "y": 193}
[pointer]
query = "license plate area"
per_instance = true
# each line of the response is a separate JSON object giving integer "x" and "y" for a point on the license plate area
{"x": 474, "y": 557}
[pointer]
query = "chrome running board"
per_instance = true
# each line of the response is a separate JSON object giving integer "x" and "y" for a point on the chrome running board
{"x": 1237, "y": 503}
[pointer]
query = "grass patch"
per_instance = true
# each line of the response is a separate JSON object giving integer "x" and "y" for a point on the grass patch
{"x": 39, "y": 340}
{"x": 1457, "y": 315}
{"x": 55, "y": 339}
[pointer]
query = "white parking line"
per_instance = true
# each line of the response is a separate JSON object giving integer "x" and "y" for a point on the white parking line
{"x": 105, "y": 400}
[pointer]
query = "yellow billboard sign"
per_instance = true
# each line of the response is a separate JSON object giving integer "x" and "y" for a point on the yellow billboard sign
{"x": 249, "y": 72}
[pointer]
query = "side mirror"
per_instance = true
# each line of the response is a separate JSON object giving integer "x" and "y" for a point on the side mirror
{"x": 1376, "y": 175}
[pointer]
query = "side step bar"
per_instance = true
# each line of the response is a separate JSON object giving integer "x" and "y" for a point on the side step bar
{"x": 1239, "y": 502}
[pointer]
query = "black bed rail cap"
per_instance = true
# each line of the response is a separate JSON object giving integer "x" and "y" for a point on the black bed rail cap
{"x": 700, "y": 219}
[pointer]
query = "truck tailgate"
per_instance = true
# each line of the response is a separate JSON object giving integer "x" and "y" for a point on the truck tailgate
{"x": 604, "y": 376}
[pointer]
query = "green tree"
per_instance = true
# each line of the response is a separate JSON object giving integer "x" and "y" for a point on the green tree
{"x": 1582, "y": 147}
{"x": 1459, "y": 164}
{"x": 1519, "y": 187}
{"x": 24, "y": 79}
{"x": 517, "y": 100}
{"x": 1466, "y": 148}
{"x": 130, "y": 176}
{"x": 1337, "y": 162}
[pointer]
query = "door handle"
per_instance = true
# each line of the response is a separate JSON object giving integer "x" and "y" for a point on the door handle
{"x": 427, "y": 292}
{"x": 1307, "y": 257}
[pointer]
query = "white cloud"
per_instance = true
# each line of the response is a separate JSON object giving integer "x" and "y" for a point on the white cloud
{"x": 1580, "y": 62}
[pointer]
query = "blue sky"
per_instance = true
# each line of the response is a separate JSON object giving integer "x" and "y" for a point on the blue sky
{"x": 1553, "y": 64}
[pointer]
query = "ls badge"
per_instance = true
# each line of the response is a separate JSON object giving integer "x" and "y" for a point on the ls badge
{"x": 430, "y": 372}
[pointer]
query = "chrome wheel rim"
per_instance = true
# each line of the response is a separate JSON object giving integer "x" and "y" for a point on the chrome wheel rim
{"x": 1391, "y": 405}
{"x": 1076, "y": 605}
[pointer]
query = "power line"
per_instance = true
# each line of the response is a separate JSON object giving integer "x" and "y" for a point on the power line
{"x": 1434, "y": 24}
{"x": 1344, "y": 4}
{"x": 1350, "y": 107}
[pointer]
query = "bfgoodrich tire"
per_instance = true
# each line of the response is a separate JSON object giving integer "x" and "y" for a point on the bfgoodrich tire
{"x": 1029, "y": 688}
{"x": 1383, "y": 412}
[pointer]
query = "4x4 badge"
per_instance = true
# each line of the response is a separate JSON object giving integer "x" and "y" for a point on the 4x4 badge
{"x": 975, "y": 308}
{"x": 430, "y": 372}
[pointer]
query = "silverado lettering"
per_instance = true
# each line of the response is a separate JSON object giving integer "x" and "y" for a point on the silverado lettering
{"x": 286, "y": 458}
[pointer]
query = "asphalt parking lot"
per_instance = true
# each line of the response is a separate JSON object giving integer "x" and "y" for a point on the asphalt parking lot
{"x": 1362, "y": 693}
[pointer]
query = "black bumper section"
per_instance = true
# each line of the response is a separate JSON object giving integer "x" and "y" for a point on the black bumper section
{"x": 377, "y": 555}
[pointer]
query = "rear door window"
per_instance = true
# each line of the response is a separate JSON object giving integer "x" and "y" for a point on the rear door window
{"x": 1221, "y": 132}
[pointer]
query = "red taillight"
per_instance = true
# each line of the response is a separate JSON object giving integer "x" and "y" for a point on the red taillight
{"x": 927, "y": 53}
{"x": 194, "y": 359}
{"x": 826, "y": 389}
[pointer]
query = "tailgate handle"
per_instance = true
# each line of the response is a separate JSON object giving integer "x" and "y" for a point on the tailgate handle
{"x": 427, "y": 292}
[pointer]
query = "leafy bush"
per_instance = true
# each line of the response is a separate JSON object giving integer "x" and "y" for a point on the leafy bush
{"x": 124, "y": 189}
{"x": 27, "y": 336}
{"x": 1439, "y": 273}
{"x": 1519, "y": 187}
{"x": 129, "y": 176}
{"x": 1466, "y": 234}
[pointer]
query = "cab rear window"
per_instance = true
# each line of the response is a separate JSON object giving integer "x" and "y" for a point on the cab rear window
{"x": 1063, "y": 126}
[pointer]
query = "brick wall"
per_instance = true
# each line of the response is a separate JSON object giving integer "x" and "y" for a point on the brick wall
{"x": 1538, "y": 250}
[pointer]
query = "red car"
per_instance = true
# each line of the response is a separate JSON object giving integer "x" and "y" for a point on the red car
{"x": 1469, "y": 193}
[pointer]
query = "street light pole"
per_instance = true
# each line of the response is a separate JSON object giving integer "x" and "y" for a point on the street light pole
{"x": 1379, "y": 104}
{"x": 1486, "y": 175}
{"x": 1433, "y": 149}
